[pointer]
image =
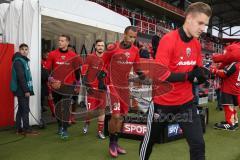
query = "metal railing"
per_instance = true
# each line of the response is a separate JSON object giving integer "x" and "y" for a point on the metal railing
{"x": 151, "y": 25}
{"x": 167, "y": 6}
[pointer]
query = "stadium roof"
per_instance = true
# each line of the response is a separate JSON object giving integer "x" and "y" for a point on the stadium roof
{"x": 226, "y": 14}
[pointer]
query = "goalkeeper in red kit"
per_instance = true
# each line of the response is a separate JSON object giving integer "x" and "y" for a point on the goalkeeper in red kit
{"x": 180, "y": 52}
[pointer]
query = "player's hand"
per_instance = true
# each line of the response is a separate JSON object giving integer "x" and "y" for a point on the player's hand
{"x": 199, "y": 73}
{"x": 55, "y": 84}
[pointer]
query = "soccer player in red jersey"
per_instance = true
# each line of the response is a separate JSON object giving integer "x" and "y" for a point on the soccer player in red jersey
{"x": 57, "y": 61}
{"x": 120, "y": 58}
{"x": 94, "y": 79}
{"x": 180, "y": 51}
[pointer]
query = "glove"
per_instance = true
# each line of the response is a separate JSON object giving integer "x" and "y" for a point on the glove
{"x": 101, "y": 75}
{"x": 192, "y": 74}
{"x": 199, "y": 73}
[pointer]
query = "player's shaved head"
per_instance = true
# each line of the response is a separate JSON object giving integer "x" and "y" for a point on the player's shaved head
{"x": 128, "y": 28}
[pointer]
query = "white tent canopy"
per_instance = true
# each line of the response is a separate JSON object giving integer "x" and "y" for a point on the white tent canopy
{"x": 85, "y": 12}
{"x": 3, "y": 9}
{"x": 22, "y": 24}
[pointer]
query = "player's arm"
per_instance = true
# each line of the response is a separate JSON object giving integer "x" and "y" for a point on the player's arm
{"x": 226, "y": 72}
{"x": 101, "y": 75}
{"x": 85, "y": 73}
{"x": 198, "y": 72}
{"x": 77, "y": 63}
{"x": 137, "y": 66}
{"x": 77, "y": 72}
{"x": 163, "y": 57}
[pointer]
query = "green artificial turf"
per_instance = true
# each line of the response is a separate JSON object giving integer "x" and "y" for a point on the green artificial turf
{"x": 220, "y": 145}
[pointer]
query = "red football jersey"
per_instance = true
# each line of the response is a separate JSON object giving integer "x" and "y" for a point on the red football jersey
{"x": 58, "y": 59}
{"x": 92, "y": 65}
{"x": 231, "y": 84}
{"x": 119, "y": 63}
{"x": 179, "y": 57}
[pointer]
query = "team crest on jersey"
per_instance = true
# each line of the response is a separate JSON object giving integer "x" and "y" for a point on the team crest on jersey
{"x": 63, "y": 57}
{"x": 127, "y": 54}
{"x": 188, "y": 52}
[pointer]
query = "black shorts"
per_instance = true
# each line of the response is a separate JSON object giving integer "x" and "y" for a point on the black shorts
{"x": 229, "y": 99}
{"x": 65, "y": 92}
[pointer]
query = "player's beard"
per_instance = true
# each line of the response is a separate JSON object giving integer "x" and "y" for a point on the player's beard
{"x": 99, "y": 53}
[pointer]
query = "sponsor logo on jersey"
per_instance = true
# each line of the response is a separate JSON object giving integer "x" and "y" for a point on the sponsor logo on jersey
{"x": 127, "y": 54}
{"x": 188, "y": 52}
{"x": 61, "y": 63}
{"x": 187, "y": 63}
{"x": 63, "y": 57}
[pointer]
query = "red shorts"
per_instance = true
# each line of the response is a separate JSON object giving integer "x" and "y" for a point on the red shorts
{"x": 118, "y": 105}
{"x": 97, "y": 100}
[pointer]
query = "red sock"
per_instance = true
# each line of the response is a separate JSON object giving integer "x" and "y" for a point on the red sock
{"x": 228, "y": 114}
{"x": 51, "y": 106}
{"x": 100, "y": 126}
